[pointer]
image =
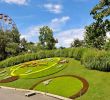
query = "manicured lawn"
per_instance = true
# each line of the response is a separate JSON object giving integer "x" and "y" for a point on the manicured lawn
{"x": 98, "y": 81}
{"x": 64, "y": 86}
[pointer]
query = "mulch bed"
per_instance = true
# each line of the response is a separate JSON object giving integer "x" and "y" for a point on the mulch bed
{"x": 83, "y": 90}
{"x": 78, "y": 94}
{"x": 10, "y": 79}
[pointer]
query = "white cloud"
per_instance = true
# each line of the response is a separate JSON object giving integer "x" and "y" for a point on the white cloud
{"x": 54, "y": 8}
{"x": 57, "y": 23}
{"x": 66, "y": 37}
{"x": 19, "y": 2}
{"x": 31, "y": 34}
{"x": 63, "y": 19}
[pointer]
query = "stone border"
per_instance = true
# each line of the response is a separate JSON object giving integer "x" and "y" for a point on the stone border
{"x": 78, "y": 94}
{"x": 9, "y": 79}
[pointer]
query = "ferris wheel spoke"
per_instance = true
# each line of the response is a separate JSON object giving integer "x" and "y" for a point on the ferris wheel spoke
{"x": 6, "y": 23}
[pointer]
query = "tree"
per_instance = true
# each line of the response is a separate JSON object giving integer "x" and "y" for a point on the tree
{"x": 46, "y": 38}
{"x": 12, "y": 46}
{"x": 95, "y": 35}
{"x": 31, "y": 47}
{"x": 77, "y": 43}
{"x": 23, "y": 45}
{"x": 39, "y": 46}
{"x": 101, "y": 10}
{"x": 62, "y": 47}
{"x": 9, "y": 43}
{"x": 3, "y": 41}
{"x": 107, "y": 45}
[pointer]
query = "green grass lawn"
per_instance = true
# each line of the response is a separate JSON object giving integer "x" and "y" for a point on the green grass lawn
{"x": 98, "y": 81}
{"x": 64, "y": 86}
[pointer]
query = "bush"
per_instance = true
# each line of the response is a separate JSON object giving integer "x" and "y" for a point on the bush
{"x": 64, "y": 52}
{"x": 78, "y": 53}
{"x": 71, "y": 52}
{"x": 50, "y": 53}
{"x": 18, "y": 59}
{"x": 99, "y": 60}
{"x": 41, "y": 55}
{"x": 57, "y": 52}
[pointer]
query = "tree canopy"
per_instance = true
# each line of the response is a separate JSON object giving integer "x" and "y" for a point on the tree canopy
{"x": 101, "y": 10}
{"x": 95, "y": 35}
{"x": 9, "y": 43}
{"x": 77, "y": 43}
{"x": 46, "y": 38}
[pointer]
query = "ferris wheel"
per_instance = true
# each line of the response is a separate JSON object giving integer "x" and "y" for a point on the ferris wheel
{"x": 6, "y": 23}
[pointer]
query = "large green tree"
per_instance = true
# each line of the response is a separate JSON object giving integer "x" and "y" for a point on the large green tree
{"x": 77, "y": 43}
{"x": 26, "y": 46}
{"x": 95, "y": 35}
{"x": 12, "y": 46}
{"x": 9, "y": 43}
{"x": 46, "y": 38}
{"x": 23, "y": 45}
{"x": 101, "y": 10}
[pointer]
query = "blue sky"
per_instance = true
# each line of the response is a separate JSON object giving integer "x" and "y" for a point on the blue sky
{"x": 67, "y": 18}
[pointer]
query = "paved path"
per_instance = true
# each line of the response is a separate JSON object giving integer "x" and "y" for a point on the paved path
{"x": 10, "y": 94}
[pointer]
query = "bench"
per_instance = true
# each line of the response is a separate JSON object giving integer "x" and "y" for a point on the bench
{"x": 30, "y": 94}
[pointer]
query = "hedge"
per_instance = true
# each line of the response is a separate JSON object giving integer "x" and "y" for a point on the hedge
{"x": 91, "y": 58}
